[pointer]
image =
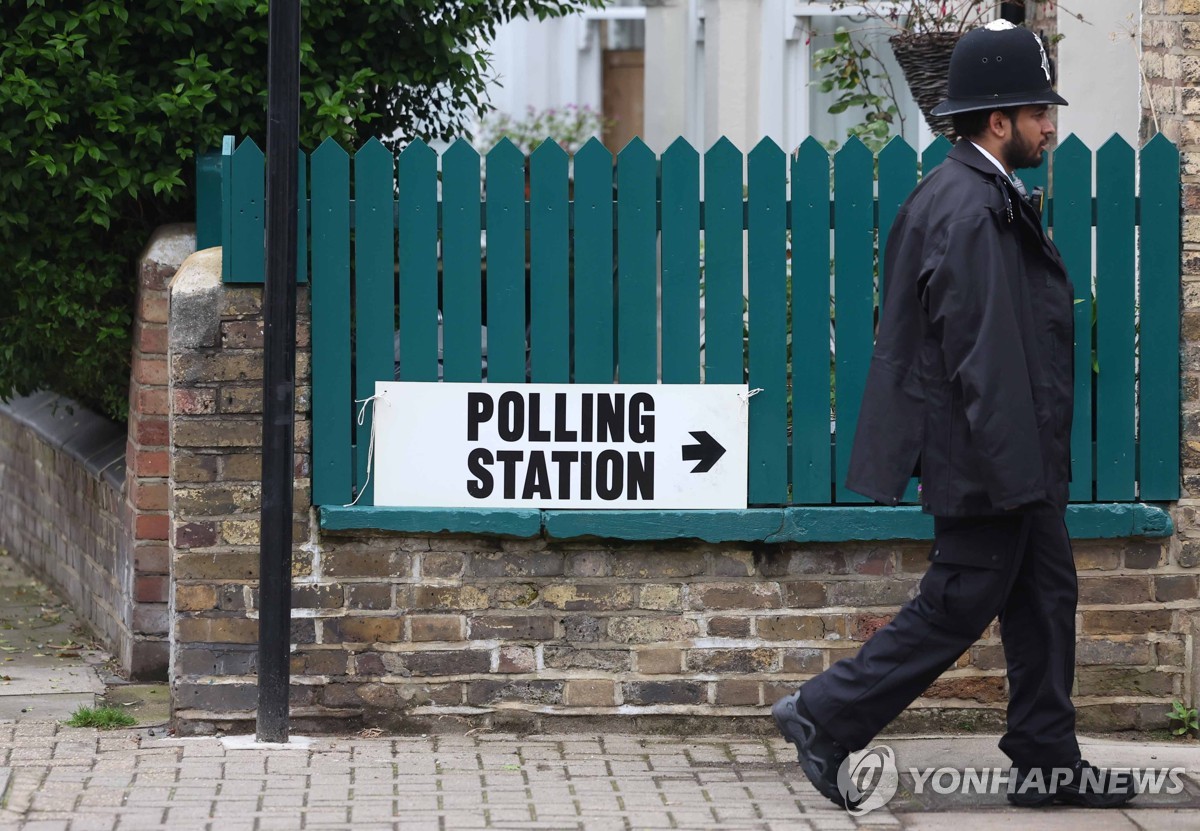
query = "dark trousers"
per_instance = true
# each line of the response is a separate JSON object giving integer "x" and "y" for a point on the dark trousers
{"x": 1019, "y": 567}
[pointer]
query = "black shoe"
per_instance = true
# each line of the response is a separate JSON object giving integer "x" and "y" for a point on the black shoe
{"x": 819, "y": 755}
{"x": 1086, "y": 786}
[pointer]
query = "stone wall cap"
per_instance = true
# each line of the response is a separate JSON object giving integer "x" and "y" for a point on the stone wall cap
{"x": 96, "y": 442}
{"x": 201, "y": 271}
{"x": 170, "y": 245}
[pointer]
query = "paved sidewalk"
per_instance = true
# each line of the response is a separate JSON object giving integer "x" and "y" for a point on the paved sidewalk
{"x": 57, "y": 777}
{"x": 64, "y": 778}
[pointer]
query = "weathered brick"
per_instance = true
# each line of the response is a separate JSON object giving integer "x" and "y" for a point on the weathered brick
{"x": 655, "y": 564}
{"x": 736, "y": 693}
{"x": 1124, "y": 681}
{"x": 240, "y": 532}
{"x": 193, "y": 467}
{"x": 368, "y": 596}
{"x": 241, "y": 467}
{"x": 322, "y": 662}
{"x": 590, "y": 693}
{"x": 514, "y": 596}
{"x": 1145, "y": 555}
{"x": 862, "y": 627}
{"x": 196, "y": 534}
{"x": 152, "y": 463}
{"x": 242, "y": 334}
{"x": 437, "y": 627}
{"x": 225, "y": 432}
{"x": 987, "y": 689}
{"x": 517, "y": 659}
{"x": 729, "y": 627}
{"x": 341, "y": 695}
{"x": 731, "y": 660}
{"x": 733, "y": 564}
{"x": 516, "y": 564}
{"x": 151, "y": 338}
{"x": 323, "y": 596}
{"x": 442, "y": 564}
{"x": 152, "y": 526}
{"x": 152, "y": 558}
{"x": 512, "y": 627}
{"x": 381, "y": 629}
{"x": 368, "y": 663}
{"x": 1106, "y": 651}
{"x": 216, "y": 661}
{"x": 216, "y": 565}
{"x": 445, "y": 695}
{"x": 217, "y": 630}
{"x": 806, "y": 661}
{"x": 151, "y": 400}
{"x": 456, "y": 662}
{"x": 1091, "y": 558}
{"x": 865, "y": 593}
{"x": 150, "y": 589}
{"x": 1171, "y": 587}
{"x": 149, "y": 495}
{"x": 648, "y": 693}
{"x": 569, "y": 657}
{"x": 217, "y": 698}
{"x": 792, "y": 628}
{"x": 195, "y": 598}
{"x": 574, "y": 597}
{"x": 232, "y": 598}
{"x": 659, "y": 661}
{"x": 152, "y": 306}
{"x": 1114, "y": 589}
{"x": 1121, "y": 621}
{"x": 209, "y": 367}
{"x": 194, "y": 401}
{"x": 149, "y": 431}
{"x": 651, "y": 629}
{"x": 587, "y": 564}
{"x": 465, "y": 598}
{"x": 487, "y": 692}
{"x": 660, "y": 598}
{"x": 1189, "y": 553}
{"x": 716, "y": 596}
{"x": 803, "y": 594}
{"x": 584, "y": 628}
{"x": 989, "y": 656}
{"x": 367, "y": 562}
{"x": 1170, "y": 653}
{"x": 239, "y": 399}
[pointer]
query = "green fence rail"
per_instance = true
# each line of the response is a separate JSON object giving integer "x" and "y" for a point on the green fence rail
{"x": 553, "y": 269}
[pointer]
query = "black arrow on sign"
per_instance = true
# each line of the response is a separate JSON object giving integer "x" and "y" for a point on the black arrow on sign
{"x": 705, "y": 454}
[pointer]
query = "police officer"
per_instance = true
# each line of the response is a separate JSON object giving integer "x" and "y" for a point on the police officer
{"x": 971, "y": 388}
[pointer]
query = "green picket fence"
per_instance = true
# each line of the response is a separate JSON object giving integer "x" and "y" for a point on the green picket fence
{"x": 579, "y": 270}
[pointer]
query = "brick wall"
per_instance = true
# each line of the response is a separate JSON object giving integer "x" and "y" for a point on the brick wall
{"x": 1171, "y": 105}
{"x": 62, "y": 512}
{"x": 147, "y": 451}
{"x": 424, "y": 632}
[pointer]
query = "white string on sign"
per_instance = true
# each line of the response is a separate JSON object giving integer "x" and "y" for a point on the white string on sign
{"x": 362, "y": 416}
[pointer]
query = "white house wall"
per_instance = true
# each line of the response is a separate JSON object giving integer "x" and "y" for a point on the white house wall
{"x": 742, "y": 69}
{"x": 1098, "y": 70}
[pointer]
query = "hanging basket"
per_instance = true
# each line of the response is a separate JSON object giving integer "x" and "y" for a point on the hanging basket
{"x": 925, "y": 59}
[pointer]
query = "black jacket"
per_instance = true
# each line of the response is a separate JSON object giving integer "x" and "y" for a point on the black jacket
{"x": 971, "y": 382}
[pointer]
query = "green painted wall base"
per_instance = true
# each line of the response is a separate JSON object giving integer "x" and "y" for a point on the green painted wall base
{"x": 822, "y": 524}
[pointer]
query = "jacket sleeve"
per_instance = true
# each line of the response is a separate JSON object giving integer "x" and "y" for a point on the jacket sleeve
{"x": 975, "y": 305}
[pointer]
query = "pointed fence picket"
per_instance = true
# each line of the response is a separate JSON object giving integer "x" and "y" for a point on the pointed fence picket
{"x": 680, "y": 269}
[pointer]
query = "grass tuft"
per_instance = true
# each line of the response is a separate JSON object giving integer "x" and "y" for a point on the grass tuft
{"x": 102, "y": 718}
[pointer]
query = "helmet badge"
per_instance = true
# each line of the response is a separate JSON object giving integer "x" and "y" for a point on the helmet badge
{"x": 1045, "y": 57}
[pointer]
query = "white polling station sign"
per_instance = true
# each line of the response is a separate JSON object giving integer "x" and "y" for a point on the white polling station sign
{"x": 444, "y": 445}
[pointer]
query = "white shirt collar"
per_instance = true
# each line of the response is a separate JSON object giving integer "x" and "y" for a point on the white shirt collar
{"x": 993, "y": 160}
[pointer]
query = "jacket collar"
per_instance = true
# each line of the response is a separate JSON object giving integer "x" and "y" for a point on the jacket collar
{"x": 967, "y": 153}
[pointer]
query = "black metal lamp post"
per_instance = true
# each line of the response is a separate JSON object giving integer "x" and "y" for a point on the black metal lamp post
{"x": 279, "y": 369}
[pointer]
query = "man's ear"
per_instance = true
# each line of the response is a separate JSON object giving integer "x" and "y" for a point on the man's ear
{"x": 998, "y": 123}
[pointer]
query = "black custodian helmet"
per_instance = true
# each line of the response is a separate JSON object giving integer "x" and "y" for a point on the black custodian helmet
{"x": 998, "y": 65}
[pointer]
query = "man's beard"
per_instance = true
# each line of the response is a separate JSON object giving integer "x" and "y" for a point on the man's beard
{"x": 1020, "y": 153}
